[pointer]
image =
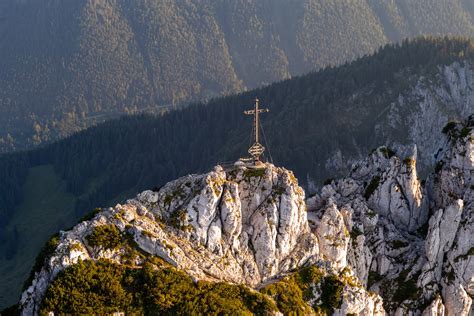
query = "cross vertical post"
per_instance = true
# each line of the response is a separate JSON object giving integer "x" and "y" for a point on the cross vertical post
{"x": 256, "y": 119}
{"x": 256, "y": 150}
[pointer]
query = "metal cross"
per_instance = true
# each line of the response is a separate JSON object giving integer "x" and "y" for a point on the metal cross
{"x": 256, "y": 150}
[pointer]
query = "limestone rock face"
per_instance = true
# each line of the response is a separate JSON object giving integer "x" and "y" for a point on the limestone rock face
{"x": 241, "y": 225}
{"x": 393, "y": 189}
{"x": 333, "y": 237}
{"x": 357, "y": 301}
{"x": 435, "y": 308}
{"x": 248, "y": 225}
{"x": 431, "y": 104}
{"x": 413, "y": 245}
{"x": 449, "y": 244}
{"x": 380, "y": 203}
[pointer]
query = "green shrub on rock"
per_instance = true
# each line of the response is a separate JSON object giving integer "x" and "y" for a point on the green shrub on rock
{"x": 331, "y": 293}
{"x": 288, "y": 296}
{"x": 448, "y": 127}
{"x": 254, "y": 173}
{"x": 373, "y": 185}
{"x": 294, "y": 291}
{"x": 104, "y": 237}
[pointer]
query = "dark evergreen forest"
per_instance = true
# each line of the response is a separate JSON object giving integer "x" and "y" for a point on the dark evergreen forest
{"x": 310, "y": 116}
{"x": 67, "y": 65}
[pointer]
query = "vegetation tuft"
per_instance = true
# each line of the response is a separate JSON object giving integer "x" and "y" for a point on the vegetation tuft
{"x": 449, "y": 127}
{"x": 373, "y": 278}
{"x": 465, "y": 131}
{"x": 396, "y": 244}
{"x": 104, "y": 237}
{"x": 254, "y": 173}
{"x": 354, "y": 233}
{"x": 90, "y": 215}
{"x": 373, "y": 185}
{"x": 331, "y": 293}
{"x": 439, "y": 166}
{"x": 406, "y": 288}
{"x": 293, "y": 291}
{"x": 387, "y": 152}
{"x": 409, "y": 161}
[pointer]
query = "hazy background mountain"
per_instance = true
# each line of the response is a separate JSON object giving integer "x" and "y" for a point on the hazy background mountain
{"x": 318, "y": 124}
{"x": 65, "y": 65}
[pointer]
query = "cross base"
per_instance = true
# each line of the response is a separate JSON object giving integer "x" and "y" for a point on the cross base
{"x": 251, "y": 163}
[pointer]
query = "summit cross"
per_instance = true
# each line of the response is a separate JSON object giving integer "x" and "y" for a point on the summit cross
{"x": 256, "y": 150}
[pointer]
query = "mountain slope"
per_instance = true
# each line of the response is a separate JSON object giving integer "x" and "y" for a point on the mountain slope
{"x": 252, "y": 226}
{"x": 67, "y": 65}
{"x": 318, "y": 125}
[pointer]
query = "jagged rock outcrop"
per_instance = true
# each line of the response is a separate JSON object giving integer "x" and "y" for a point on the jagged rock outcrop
{"x": 411, "y": 244}
{"x": 449, "y": 243}
{"x": 379, "y": 229}
{"x": 251, "y": 222}
{"x": 242, "y": 225}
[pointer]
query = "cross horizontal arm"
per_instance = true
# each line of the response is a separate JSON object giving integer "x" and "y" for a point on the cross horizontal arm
{"x": 252, "y": 112}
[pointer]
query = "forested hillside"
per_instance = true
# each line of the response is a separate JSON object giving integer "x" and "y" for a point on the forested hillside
{"x": 66, "y": 65}
{"x": 318, "y": 124}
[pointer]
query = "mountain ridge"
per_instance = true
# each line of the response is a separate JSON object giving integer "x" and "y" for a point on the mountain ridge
{"x": 66, "y": 66}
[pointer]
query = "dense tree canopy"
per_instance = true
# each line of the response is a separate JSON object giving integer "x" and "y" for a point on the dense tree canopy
{"x": 68, "y": 64}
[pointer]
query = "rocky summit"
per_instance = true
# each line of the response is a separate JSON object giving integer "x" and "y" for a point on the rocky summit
{"x": 379, "y": 241}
